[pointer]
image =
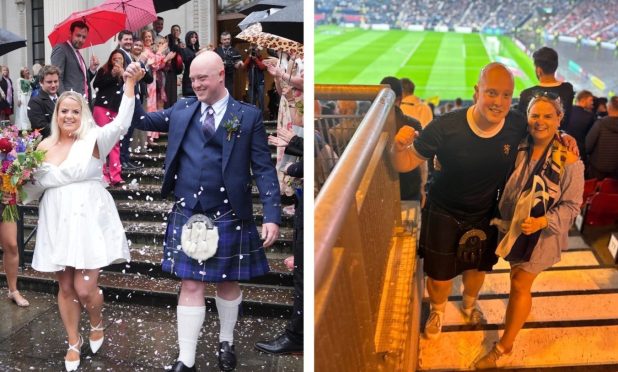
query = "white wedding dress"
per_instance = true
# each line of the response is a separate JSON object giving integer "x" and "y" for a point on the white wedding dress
{"x": 78, "y": 223}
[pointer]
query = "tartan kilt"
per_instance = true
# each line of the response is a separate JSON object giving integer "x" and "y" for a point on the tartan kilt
{"x": 239, "y": 256}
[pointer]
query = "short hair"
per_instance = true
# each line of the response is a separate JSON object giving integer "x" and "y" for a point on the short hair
{"x": 48, "y": 70}
{"x": 79, "y": 24}
{"x": 124, "y": 32}
{"x": 407, "y": 86}
{"x": 546, "y": 59}
{"x": 159, "y": 18}
{"x": 458, "y": 101}
{"x": 225, "y": 33}
{"x": 613, "y": 103}
{"x": 583, "y": 94}
{"x": 394, "y": 83}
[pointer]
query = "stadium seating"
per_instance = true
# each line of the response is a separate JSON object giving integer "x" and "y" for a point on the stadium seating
{"x": 608, "y": 186}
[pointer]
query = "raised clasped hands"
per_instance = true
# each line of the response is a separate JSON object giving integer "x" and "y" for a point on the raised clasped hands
{"x": 133, "y": 73}
{"x": 404, "y": 138}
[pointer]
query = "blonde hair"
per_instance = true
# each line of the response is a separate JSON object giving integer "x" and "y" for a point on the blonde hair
{"x": 87, "y": 121}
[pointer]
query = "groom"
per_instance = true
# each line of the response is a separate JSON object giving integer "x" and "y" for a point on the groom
{"x": 215, "y": 144}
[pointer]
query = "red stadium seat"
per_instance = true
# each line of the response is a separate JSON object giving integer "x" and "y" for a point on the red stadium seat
{"x": 608, "y": 186}
{"x": 601, "y": 210}
{"x": 589, "y": 188}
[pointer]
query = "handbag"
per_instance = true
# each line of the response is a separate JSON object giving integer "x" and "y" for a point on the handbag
{"x": 200, "y": 237}
{"x": 178, "y": 65}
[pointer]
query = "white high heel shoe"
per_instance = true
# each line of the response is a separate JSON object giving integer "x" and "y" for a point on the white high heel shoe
{"x": 72, "y": 365}
{"x": 95, "y": 345}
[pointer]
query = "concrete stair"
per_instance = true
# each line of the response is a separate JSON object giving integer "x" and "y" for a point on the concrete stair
{"x": 144, "y": 214}
{"x": 573, "y": 325}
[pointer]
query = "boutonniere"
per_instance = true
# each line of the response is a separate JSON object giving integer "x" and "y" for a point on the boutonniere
{"x": 232, "y": 126}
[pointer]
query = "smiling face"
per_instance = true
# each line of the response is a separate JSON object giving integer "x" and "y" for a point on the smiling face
{"x": 494, "y": 93}
{"x": 544, "y": 117}
{"x": 50, "y": 83}
{"x": 69, "y": 116}
{"x": 207, "y": 77}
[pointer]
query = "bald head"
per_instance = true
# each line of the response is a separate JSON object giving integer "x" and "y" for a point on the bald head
{"x": 493, "y": 95}
{"x": 496, "y": 71}
{"x": 207, "y": 76}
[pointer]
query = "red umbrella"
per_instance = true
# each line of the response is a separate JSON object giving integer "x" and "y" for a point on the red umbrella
{"x": 139, "y": 12}
{"x": 103, "y": 25}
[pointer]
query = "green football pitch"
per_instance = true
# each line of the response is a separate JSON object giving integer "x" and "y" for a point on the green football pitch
{"x": 441, "y": 64}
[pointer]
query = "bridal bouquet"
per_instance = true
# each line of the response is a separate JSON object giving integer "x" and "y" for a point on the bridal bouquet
{"x": 19, "y": 159}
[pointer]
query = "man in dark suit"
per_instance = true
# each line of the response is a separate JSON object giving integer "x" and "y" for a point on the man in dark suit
{"x": 231, "y": 59}
{"x": 74, "y": 75}
{"x": 125, "y": 45}
{"x": 41, "y": 107}
{"x": 216, "y": 144}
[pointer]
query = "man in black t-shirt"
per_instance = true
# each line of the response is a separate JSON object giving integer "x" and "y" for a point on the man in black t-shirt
{"x": 546, "y": 64}
{"x": 476, "y": 148}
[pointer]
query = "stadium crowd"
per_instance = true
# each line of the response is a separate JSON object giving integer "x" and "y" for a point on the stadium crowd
{"x": 583, "y": 18}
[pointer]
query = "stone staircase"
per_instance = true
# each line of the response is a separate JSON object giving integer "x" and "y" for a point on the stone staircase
{"x": 573, "y": 325}
{"x": 143, "y": 213}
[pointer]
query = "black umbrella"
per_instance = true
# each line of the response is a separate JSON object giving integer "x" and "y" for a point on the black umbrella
{"x": 287, "y": 22}
{"x": 163, "y": 5}
{"x": 9, "y": 41}
{"x": 265, "y": 5}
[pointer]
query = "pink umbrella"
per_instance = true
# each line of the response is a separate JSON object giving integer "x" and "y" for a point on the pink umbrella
{"x": 139, "y": 12}
{"x": 102, "y": 24}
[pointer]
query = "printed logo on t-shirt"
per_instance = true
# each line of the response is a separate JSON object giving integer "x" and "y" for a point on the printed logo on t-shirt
{"x": 506, "y": 149}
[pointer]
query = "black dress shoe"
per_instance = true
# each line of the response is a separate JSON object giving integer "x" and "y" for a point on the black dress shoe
{"x": 180, "y": 367}
{"x": 227, "y": 356}
{"x": 280, "y": 345}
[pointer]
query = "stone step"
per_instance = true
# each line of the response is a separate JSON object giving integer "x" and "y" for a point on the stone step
{"x": 151, "y": 192}
{"x": 153, "y": 172}
{"x": 574, "y": 280}
{"x": 258, "y": 300}
{"x": 156, "y": 211}
{"x": 534, "y": 348}
{"x": 148, "y": 232}
{"x": 545, "y": 310}
{"x": 137, "y": 338}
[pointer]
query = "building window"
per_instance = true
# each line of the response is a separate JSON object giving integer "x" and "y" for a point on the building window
{"x": 38, "y": 32}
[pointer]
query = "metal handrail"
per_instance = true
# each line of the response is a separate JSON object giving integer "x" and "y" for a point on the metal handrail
{"x": 332, "y": 204}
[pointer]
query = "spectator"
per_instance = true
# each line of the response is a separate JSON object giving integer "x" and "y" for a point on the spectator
{"x": 157, "y": 27}
{"x": 602, "y": 144}
{"x": 581, "y": 120}
{"x": 41, "y": 107}
{"x": 176, "y": 67}
{"x": 66, "y": 56}
{"x": 232, "y": 60}
{"x": 545, "y": 66}
{"x": 7, "y": 93}
{"x": 255, "y": 67}
{"x": 109, "y": 85}
{"x": 412, "y": 106}
{"x": 24, "y": 90}
{"x": 188, "y": 53}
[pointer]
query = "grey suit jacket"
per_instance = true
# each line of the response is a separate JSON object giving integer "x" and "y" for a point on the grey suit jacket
{"x": 71, "y": 75}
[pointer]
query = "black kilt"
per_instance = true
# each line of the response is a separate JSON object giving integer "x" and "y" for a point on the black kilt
{"x": 438, "y": 245}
